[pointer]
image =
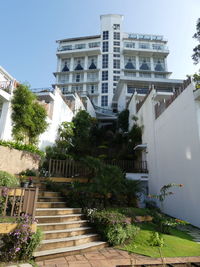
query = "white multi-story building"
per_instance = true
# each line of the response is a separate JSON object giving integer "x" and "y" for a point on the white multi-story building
{"x": 94, "y": 64}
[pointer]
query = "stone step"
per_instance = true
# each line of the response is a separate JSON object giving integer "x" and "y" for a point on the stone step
{"x": 49, "y": 194}
{"x": 56, "y": 211}
{"x": 50, "y": 205}
{"x": 67, "y": 251}
{"x": 62, "y": 225}
{"x": 54, "y": 234}
{"x": 51, "y": 199}
{"x": 59, "y": 218}
{"x": 67, "y": 241}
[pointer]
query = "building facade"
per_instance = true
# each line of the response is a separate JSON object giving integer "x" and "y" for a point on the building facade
{"x": 93, "y": 65}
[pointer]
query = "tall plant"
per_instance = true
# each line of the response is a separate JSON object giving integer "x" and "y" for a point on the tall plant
{"x": 28, "y": 116}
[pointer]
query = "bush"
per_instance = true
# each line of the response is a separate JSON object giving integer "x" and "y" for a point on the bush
{"x": 156, "y": 240}
{"x": 20, "y": 244}
{"x": 8, "y": 180}
{"x": 113, "y": 226}
{"x": 28, "y": 172}
{"x": 23, "y": 147}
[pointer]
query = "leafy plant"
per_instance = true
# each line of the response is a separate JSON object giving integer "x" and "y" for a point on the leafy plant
{"x": 164, "y": 192}
{"x": 156, "y": 240}
{"x": 28, "y": 116}
{"x": 123, "y": 120}
{"x": 114, "y": 227}
{"x": 28, "y": 172}
{"x": 24, "y": 147}
{"x": 8, "y": 180}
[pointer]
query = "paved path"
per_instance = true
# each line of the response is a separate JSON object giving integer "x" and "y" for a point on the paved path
{"x": 110, "y": 257}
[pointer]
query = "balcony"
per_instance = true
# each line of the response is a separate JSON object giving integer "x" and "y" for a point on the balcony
{"x": 46, "y": 94}
{"x": 146, "y": 49}
{"x": 6, "y": 86}
{"x": 81, "y": 50}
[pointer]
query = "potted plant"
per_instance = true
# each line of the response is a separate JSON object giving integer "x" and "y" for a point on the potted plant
{"x": 23, "y": 182}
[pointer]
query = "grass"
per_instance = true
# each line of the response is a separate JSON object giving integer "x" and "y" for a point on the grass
{"x": 178, "y": 244}
{"x": 132, "y": 212}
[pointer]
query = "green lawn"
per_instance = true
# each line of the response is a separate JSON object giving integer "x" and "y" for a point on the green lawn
{"x": 178, "y": 244}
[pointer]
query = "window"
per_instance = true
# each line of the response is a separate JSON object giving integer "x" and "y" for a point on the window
{"x": 116, "y": 55}
{"x": 65, "y": 90}
{"x": 116, "y": 43}
{"x": 130, "y": 63}
{"x": 144, "y": 45}
{"x": 157, "y": 46}
{"x": 114, "y": 84}
{"x": 78, "y": 63}
{"x": 92, "y": 77}
{"x": 64, "y": 78}
{"x": 116, "y": 26}
{"x": 65, "y": 65}
{"x": 80, "y": 46}
{"x": 132, "y": 90}
{"x": 92, "y": 88}
{"x": 105, "y": 35}
{"x": 116, "y": 64}
{"x": 116, "y": 35}
{"x": 115, "y": 78}
{"x": 116, "y": 71}
{"x": 78, "y": 77}
{"x": 104, "y": 88}
{"x": 92, "y": 63}
{"x": 104, "y": 100}
{"x": 105, "y": 46}
{"x": 116, "y": 49}
{"x": 77, "y": 88}
{"x": 104, "y": 75}
{"x": 159, "y": 64}
{"x": 144, "y": 63}
{"x": 162, "y": 76}
{"x": 93, "y": 45}
{"x": 65, "y": 48}
{"x": 104, "y": 61}
{"x": 129, "y": 74}
{"x": 145, "y": 75}
{"x": 129, "y": 45}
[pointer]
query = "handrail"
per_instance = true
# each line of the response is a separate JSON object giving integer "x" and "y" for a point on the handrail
{"x": 18, "y": 201}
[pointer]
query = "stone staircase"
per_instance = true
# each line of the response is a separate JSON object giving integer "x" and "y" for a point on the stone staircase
{"x": 66, "y": 232}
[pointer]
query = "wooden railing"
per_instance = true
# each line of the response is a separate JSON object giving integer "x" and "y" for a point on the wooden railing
{"x": 18, "y": 201}
{"x": 70, "y": 168}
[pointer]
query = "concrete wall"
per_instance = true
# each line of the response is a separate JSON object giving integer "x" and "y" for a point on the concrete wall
{"x": 173, "y": 153}
{"x": 14, "y": 161}
{"x": 61, "y": 112}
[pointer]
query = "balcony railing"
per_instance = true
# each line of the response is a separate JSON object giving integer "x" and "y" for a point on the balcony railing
{"x": 154, "y": 47}
{"x": 70, "y": 168}
{"x": 17, "y": 201}
{"x": 6, "y": 85}
{"x": 42, "y": 90}
{"x": 79, "y": 47}
{"x": 104, "y": 111}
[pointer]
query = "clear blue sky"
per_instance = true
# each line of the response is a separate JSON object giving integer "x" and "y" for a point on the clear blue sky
{"x": 29, "y": 29}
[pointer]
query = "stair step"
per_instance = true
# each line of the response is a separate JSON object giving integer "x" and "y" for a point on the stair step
{"x": 62, "y": 225}
{"x": 51, "y": 204}
{"x": 51, "y": 199}
{"x": 49, "y": 194}
{"x": 59, "y": 218}
{"x": 59, "y": 252}
{"x": 53, "y": 234}
{"x": 68, "y": 241}
{"x": 56, "y": 211}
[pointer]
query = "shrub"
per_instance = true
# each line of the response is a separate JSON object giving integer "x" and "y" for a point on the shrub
{"x": 28, "y": 172}
{"x": 23, "y": 147}
{"x": 8, "y": 180}
{"x": 112, "y": 225}
{"x": 156, "y": 240}
{"x": 20, "y": 244}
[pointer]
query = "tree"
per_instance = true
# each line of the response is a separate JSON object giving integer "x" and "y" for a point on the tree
{"x": 196, "y": 50}
{"x": 123, "y": 122}
{"x": 28, "y": 116}
{"x": 83, "y": 124}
